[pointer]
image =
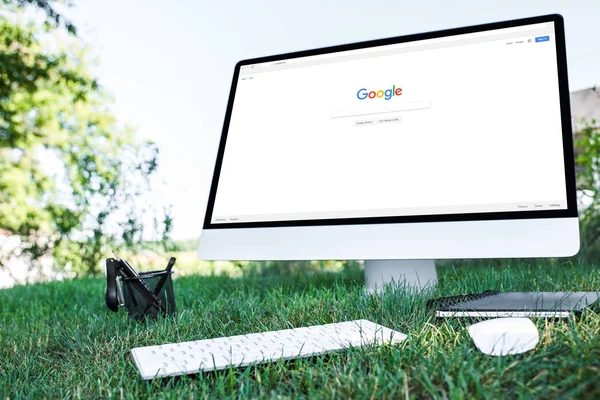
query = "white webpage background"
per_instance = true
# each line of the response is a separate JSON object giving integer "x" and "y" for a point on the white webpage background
{"x": 492, "y": 135}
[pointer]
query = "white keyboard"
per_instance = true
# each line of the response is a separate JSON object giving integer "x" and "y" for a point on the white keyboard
{"x": 239, "y": 351}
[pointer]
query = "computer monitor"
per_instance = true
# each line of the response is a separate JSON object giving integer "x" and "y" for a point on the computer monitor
{"x": 450, "y": 144}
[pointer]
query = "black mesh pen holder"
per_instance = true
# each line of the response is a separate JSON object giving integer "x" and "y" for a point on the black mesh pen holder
{"x": 148, "y": 295}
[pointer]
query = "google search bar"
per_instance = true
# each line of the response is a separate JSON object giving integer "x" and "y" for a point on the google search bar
{"x": 382, "y": 109}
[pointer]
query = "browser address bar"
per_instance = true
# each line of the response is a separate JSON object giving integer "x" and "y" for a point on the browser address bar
{"x": 383, "y": 109}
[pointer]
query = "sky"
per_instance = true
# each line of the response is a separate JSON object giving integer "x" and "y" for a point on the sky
{"x": 169, "y": 64}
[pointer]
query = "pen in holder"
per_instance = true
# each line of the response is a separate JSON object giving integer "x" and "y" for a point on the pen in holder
{"x": 144, "y": 295}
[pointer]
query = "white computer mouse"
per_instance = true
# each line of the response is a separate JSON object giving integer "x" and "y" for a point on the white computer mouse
{"x": 503, "y": 336}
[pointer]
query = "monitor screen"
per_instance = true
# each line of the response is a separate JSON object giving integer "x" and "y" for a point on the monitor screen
{"x": 459, "y": 125}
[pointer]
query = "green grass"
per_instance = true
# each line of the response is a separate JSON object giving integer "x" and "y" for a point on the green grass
{"x": 59, "y": 340}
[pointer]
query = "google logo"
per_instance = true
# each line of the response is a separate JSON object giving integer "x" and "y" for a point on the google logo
{"x": 387, "y": 94}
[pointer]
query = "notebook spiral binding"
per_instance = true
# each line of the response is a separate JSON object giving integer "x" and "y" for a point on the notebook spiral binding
{"x": 443, "y": 302}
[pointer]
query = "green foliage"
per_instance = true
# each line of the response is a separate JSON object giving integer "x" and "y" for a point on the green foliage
{"x": 53, "y": 18}
{"x": 72, "y": 180}
{"x": 268, "y": 268}
{"x": 186, "y": 245}
{"x": 587, "y": 145}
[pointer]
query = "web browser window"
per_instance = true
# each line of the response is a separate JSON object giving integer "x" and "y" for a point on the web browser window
{"x": 461, "y": 124}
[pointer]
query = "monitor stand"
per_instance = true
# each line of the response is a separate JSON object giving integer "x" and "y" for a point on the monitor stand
{"x": 417, "y": 276}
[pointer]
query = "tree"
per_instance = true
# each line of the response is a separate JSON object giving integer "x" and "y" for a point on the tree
{"x": 53, "y": 18}
{"x": 72, "y": 178}
{"x": 587, "y": 145}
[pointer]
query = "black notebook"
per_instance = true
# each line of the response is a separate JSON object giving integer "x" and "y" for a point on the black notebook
{"x": 514, "y": 304}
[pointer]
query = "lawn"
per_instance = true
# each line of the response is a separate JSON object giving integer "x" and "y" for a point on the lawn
{"x": 59, "y": 340}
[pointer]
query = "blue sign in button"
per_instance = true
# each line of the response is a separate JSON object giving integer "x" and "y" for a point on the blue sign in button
{"x": 542, "y": 39}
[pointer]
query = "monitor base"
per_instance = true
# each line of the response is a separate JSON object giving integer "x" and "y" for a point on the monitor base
{"x": 413, "y": 275}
